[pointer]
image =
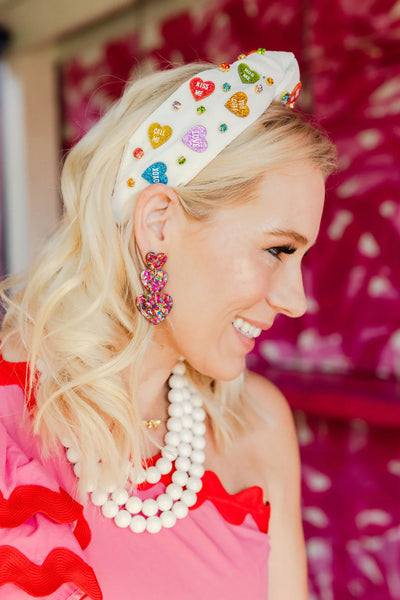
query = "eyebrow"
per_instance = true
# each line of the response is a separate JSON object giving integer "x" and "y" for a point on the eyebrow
{"x": 294, "y": 235}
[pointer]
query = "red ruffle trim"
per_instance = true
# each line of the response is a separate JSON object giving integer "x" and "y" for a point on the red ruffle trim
{"x": 233, "y": 507}
{"x": 60, "y": 566}
{"x": 60, "y": 507}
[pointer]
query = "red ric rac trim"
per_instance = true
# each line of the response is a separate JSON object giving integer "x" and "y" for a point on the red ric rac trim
{"x": 235, "y": 507}
{"x": 60, "y": 566}
{"x": 60, "y": 507}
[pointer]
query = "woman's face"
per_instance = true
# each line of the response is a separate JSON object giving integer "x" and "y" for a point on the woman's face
{"x": 244, "y": 264}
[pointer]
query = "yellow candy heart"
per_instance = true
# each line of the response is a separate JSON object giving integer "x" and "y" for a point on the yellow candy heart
{"x": 159, "y": 135}
{"x": 237, "y": 104}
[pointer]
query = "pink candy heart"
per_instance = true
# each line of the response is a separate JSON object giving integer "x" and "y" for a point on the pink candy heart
{"x": 155, "y": 307}
{"x": 195, "y": 138}
{"x": 154, "y": 280}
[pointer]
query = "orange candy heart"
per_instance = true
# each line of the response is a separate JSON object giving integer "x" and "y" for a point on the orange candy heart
{"x": 238, "y": 104}
{"x": 159, "y": 135}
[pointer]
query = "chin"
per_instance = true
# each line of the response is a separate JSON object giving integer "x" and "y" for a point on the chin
{"x": 224, "y": 371}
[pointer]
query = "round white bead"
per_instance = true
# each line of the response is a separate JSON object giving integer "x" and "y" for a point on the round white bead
{"x": 177, "y": 382}
{"x": 184, "y": 449}
{"x": 78, "y": 469}
{"x": 198, "y": 442}
{"x": 189, "y": 498}
{"x": 186, "y": 394}
{"x": 196, "y": 470}
{"x": 66, "y": 441}
{"x": 73, "y": 455}
{"x": 164, "y": 465}
{"x": 179, "y": 369}
{"x": 164, "y": 502}
{"x": 197, "y": 400}
{"x": 109, "y": 509}
{"x": 134, "y": 505}
{"x": 138, "y": 524}
{"x": 175, "y": 409}
{"x": 198, "y": 413}
{"x": 169, "y": 452}
{"x": 174, "y": 424}
{"x": 187, "y": 407}
{"x": 176, "y": 395}
{"x": 140, "y": 477}
{"x": 195, "y": 484}
{"x": 99, "y": 497}
{"x": 153, "y": 524}
{"x": 123, "y": 518}
{"x": 172, "y": 438}
{"x": 198, "y": 456}
{"x": 174, "y": 491}
{"x": 149, "y": 507}
{"x": 180, "y": 477}
{"x": 120, "y": 496}
{"x": 186, "y": 436}
{"x": 187, "y": 421}
{"x": 109, "y": 486}
{"x": 198, "y": 428}
{"x": 153, "y": 474}
{"x": 182, "y": 463}
{"x": 168, "y": 519}
{"x": 91, "y": 486}
{"x": 180, "y": 510}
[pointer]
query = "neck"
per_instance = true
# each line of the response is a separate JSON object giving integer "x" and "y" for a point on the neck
{"x": 152, "y": 390}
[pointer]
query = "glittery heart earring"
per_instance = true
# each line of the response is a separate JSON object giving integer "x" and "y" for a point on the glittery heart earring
{"x": 154, "y": 306}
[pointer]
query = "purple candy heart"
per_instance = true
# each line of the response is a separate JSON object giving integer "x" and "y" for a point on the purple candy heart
{"x": 154, "y": 280}
{"x": 154, "y": 307}
{"x": 195, "y": 138}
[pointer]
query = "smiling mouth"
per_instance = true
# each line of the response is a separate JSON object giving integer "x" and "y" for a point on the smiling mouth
{"x": 246, "y": 329}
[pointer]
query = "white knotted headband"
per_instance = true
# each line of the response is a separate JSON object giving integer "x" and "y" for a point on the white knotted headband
{"x": 200, "y": 118}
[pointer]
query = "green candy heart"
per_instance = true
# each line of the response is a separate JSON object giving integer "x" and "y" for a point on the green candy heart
{"x": 246, "y": 74}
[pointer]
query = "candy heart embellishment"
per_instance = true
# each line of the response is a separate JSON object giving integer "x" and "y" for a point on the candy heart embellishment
{"x": 159, "y": 135}
{"x": 195, "y": 138}
{"x": 246, "y": 74}
{"x": 155, "y": 173}
{"x": 154, "y": 281}
{"x": 238, "y": 104}
{"x": 155, "y": 307}
{"x": 201, "y": 89}
{"x": 156, "y": 261}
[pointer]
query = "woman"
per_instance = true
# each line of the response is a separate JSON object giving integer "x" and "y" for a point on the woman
{"x": 171, "y": 259}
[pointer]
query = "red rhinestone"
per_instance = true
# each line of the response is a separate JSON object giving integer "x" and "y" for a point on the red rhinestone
{"x": 138, "y": 153}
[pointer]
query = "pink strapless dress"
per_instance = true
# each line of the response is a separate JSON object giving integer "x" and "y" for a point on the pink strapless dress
{"x": 53, "y": 547}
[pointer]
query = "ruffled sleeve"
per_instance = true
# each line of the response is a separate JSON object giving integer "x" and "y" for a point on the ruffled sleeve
{"x": 43, "y": 531}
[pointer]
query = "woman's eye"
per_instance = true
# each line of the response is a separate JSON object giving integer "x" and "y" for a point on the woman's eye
{"x": 278, "y": 250}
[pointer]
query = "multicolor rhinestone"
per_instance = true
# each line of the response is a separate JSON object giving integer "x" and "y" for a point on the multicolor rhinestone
{"x": 130, "y": 182}
{"x": 285, "y": 97}
{"x": 258, "y": 88}
{"x": 201, "y": 109}
{"x": 241, "y": 56}
{"x": 270, "y": 81}
{"x": 181, "y": 160}
{"x": 226, "y": 87}
{"x": 176, "y": 105}
{"x": 223, "y": 127}
{"x": 224, "y": 67}
{"x": 261, "y": 51}
{"x": 138, "y": 153}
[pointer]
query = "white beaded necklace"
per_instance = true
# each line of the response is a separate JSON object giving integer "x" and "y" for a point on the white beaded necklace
{"x": 184, "y": 446}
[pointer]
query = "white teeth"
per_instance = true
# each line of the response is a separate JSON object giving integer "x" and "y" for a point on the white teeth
{"x": 245, "y": 328}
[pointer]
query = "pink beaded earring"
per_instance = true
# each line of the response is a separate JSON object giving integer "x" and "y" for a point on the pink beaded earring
{"x": 154, "y": 306}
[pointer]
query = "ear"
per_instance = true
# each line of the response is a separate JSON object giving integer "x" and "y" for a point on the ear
{"x": 158, "y": 214}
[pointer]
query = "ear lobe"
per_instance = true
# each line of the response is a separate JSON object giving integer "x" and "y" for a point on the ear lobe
{"x": 155, "y": 207}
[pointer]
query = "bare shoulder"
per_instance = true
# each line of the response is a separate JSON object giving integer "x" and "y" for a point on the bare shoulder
{"x": 274, "y": 437}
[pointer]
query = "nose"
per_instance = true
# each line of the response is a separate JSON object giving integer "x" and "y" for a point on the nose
{"x": 286, "y": 291}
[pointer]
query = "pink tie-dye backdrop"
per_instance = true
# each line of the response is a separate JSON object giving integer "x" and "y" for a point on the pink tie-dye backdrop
{"x": 342, "y": 359}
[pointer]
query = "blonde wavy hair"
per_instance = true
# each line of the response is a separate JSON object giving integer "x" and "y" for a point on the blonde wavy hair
{"x": 74, "y": 310}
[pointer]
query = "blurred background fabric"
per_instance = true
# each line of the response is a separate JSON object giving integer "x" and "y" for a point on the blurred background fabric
{"x": 339, "y": 365}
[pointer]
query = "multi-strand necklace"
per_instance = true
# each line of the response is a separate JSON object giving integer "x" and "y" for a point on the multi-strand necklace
{"x": 183, "y": 449}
